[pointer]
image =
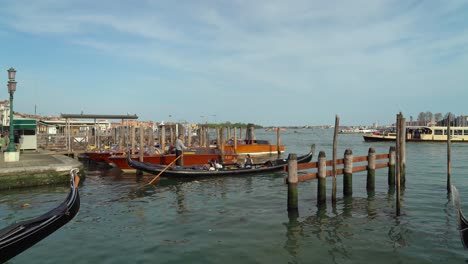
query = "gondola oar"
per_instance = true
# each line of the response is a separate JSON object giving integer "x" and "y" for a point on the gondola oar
{"x": 159, "y": 174}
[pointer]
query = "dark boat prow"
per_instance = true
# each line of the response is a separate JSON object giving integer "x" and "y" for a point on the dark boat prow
{"x": 462, "y": 221}
{"x": 18, "y": 237}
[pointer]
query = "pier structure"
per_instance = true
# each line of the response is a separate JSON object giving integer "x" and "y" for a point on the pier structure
{"x": 95, "y": 131}
{"x": 96, "y": 134}
{"x": 395, "y": 160}
{"x": 348, "y": 165}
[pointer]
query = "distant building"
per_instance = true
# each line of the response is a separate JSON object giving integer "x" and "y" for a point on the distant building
{"x": 4, "y": 114}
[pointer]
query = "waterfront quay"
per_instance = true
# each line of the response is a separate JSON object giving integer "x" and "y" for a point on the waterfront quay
{"x": 36, "y": 168}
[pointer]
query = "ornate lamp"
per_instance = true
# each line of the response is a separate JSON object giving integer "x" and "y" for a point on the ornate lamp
{"x": 11, "y": 74}
{"x": 11, "y": 91}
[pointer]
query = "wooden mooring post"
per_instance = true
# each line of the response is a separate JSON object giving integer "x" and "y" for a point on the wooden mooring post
{"x": 121, "y": 137}
{"x": 449, "y": 162}
{"x": 391, "y": 166}
{"x": 189, "y": 135}
{"x": 150, "y": 138}
{"x": 201, "y": 136}
{"x": 162, "y": 141}
{"x": 114, "y": 135}
{"x": 250, "y": 133}
{"x": 278, "y": 142}
{"x": 207, "y": 137}
{"x": 173, "y": 135}
{"x": 292, "y": 183}
{"x": 141, "y": 143}
{"x": 348, "y": 173}
{"x": 335, "y": 145}
{"x": 322, "y": 180}
{"x": 141, "y": 148}
{"x": 401, "y": 148}
{"x": 133, "y": 140}
{"x": 235, "y": 140}
{"x": 221, "y": 143}
{"x": 370, "y": 186}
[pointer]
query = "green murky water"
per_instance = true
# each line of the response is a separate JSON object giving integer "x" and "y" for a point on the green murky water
{"x": 244, "y": 219}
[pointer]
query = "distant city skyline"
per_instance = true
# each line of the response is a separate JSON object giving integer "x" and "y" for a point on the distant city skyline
{"x": 271, "y": 63}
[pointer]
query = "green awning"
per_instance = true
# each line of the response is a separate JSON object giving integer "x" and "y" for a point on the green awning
{"x": 29, "y": 124}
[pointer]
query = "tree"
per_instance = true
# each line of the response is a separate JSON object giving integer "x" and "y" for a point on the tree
{"x": 428, "y": 116}
{"x": 422, "y": 118}
{"x": 447, "y": 116}
{"x": 438, "y": 117}
{"x": 463, "y": 120}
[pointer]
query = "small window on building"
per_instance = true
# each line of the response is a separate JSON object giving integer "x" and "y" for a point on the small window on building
{"x": 439, "y": 132}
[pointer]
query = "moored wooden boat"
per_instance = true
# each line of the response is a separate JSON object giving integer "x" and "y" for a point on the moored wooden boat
{"x": 421, "y": 134}
{"x": 191, "y": 157}
{"x": 252, "y": 147}
{"x": 97, "y": 156}
{"x": 202, "y": 171}
{"x": 18, "y": 237}
{"x": 462, "y": 220}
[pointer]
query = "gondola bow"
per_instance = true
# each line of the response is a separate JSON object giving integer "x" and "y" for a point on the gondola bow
{"x": 18, "y": 237}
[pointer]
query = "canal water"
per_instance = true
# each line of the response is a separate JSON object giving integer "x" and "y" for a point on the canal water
{"x": 244, "y": 219}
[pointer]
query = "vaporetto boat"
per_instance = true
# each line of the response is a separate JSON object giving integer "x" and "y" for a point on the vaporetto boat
{"x": 421, "y": 134}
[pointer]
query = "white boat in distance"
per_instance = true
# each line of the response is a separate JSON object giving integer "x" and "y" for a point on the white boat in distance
{"x": 357, "y": 130}
{"x": 421, "y": 134}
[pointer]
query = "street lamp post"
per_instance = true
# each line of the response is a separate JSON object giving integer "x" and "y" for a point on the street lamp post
{"x": 1, "y": 121}
{"x": 11, "y": 91}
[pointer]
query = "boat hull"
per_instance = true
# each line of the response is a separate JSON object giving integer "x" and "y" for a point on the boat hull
{"x": 253, "y": 149}
{"x": 376, "y": 138}
{"x": 372, "y": 138}
{"x": 199, "y": 171}
{"x": 165, "y": 159}
{"x": 97, "y": 156}
{"x": 18, "y": 237}
{"x": 462, "y": 220}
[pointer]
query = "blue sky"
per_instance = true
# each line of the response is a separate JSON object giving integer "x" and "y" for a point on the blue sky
{"x": 266, "y": 62}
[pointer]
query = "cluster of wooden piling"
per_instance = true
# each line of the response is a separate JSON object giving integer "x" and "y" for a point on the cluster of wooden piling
{"x": 167, "y": 134}
{"x": 395, "y": 160}
{"x": 77, "y": 139}
{"x": 347, "y": 170}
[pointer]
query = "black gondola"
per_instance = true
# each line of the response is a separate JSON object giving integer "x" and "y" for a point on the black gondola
{"x": 18, "y": 237}
{"x": 201, "y": 171}
{"x": 462, "y": 221}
